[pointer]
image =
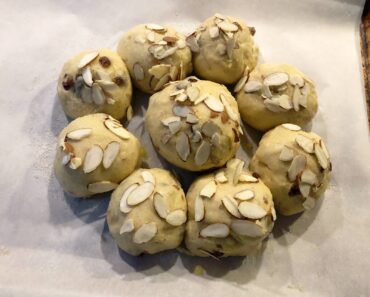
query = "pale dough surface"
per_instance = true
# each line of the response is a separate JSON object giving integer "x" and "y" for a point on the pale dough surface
{"x": 74, "y": 106}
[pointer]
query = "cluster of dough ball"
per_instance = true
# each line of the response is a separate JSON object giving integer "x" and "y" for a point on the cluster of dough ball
{"x": 195, "y": 125}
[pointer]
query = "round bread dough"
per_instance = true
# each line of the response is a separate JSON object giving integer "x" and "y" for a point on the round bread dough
{"x": 94, "y": 82}
{"x": 194, "y": 124}
{"x": 295, "y": 165}
{"x": 275, "y": 94}
{"x": 155, "y": 55}
{"x": 223, "y": 48}
{"x": 230, "y": 213}
{"x": 94, "y": 154}
{"x": 147, "y": 212}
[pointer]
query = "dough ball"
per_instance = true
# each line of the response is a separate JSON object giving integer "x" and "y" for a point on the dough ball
{"x": 223, "y": 48}
{"x": 147, "y": 212}
{"x": 94, "y": 154}
{"x": 94, "y": 82}
{"x": 155, "y": 55}
{"x": 194, "y": 124}
{"x": 295, "y": 165}
{"x": 275, "y": 94}
{"x": 230, "y": 213}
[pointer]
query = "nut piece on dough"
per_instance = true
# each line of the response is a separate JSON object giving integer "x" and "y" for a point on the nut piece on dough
{"x": 155, "y": 55}
{"x": 223, "y": 47}
{"x": 94, "y": 154}
{"x": 194, "y": 124}
{"x": 93, "y": 82}
{"x": 295, "y": 165}
{"x": 275, "y": 94}
{"x": 147, "y": 212}
{"x": 230, "y": 213}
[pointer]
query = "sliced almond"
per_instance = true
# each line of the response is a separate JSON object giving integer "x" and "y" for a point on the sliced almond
{"x": 210, "y": 128}
{"x": 169, "y": 120}
{"x": 200, "y": 99}
{"x": 192, "y": 43}
{"x": 160, "y": 70}
{"x": 138, "y": 71}
{"x": 93, "y": 158}
{"x": 227, "y": 27}
{"x": 296, "y": 97}
{"x": 192, "y": 92}
{"x": 216, "y": 139}
{"x": 305, "y": 143}
{"x": 197, "y": 136}
{"x": 66, "y": 159}
{"x": 107, "y": 86}
{"x": 181, "y": 97}
{"x": 145, "y": 233}
{"x": 127, "y": 227}
{"x": 245, "y": 195}
{"x": 296, "y": 167}
{"x": 238, "y": 171}
{"x": 87, "y": 59}
{"x": 220, "y": 177}
{"x": 123, "y": 206}
{"x": 101, "y": 187}
{"x": 320, "y": 155}
{"x": 160, "y": 205}
{"x": 251, "y": 210}
{"x": 165, "y": 137}
{"x": 214, "y": 104}
{"x": 75, "y": 163}
{"x": 273, "y": 213}
{"x": 214, "y": 32}
{"x": 166, "y": 53}
{"x": 230, "y": 112}
{"x": 303, "y": 100}
{"x": 174, "y": 71}
{"x": 161, "y": 82}
{"x": 273, "y": 104}
{"x": 208, "y": 190}
{"x": 181, "y": 43}
{"x": 215, "y": 230}
{"x": 219, "y": 16}
{"x": 87, "y": 76}
{"x": 110, "y": 153}
{"x": 182, "y": 146}
{"x": 284, "y": 102}
{"x": 276, "y": 79}
{"x": 309, "y": 177}
{"x": 231, "y": 206}
{"x": 175, "y": 127}
{"x": 198, "y": 209}
{"x": 140, "y": 194}
{"x": 191, "y": 119}
{"x": 150, "y": 37}
{"x": 202, "y": 154}
{"x": 240, "y": 84}
{"x": 97, "y": 94}
{"x": 324, "y": 149}
{"x": 266, "y": 92}
{"x": 296, "y": 80}
{"x": 156, "y": 28}
{"x": 117, "y": 129}
{"x": 246, "y": 178}
{"x": 176, "y": 217}
{"x": 304, "y": 189}
{"x": 176, "y": 92}
{"x": 309, "y": 203}
{"x": 181, "y": 110}
{"x": 286, "y": 154}
{"x": 291, "y": 127}
{"x": 252, "y": 86}
{"x": 246, "y": 228}
{"x": 79, "y": 134}
{"x": 148, "y": 177}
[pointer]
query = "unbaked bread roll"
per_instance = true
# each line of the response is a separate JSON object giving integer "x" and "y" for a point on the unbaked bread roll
{"x": 94, "y": 154}
{"x": 230, "y": 212}
{"x": 273, "y": 94}
{"x": 155, "y": 55}
{"x": 295, "y": 165}
{"x": 93, "y": 82}
{"x": 147, "y": 212}
{"x": 194, "y": 124}
{"x": 223, "y": 48}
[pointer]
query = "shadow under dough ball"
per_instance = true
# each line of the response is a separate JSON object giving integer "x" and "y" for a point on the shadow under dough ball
{"x": 147, "y": 212}
{"x": 223, "y": 48}
{"x": 295, "y": 165}
{"x": 274, "y": 94}
{"x": 194, "y": 124}
{"x": 230, "y": 213}
{"x": 94, "y": 82}
{"x": 155, "y": 55}
{"x": 94, "y": 154}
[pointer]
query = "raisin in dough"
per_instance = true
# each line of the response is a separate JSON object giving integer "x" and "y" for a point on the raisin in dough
{"x": 223, "y": 48}
{"x": 230, "y": 212}
{"x": 194, "y": 124}
{"x": 94, "y": 154}
{"x": 295, "y": 165}
{"x": 147, "y": 212}
{"x": 154, "y": 55}
{"x": 275, "y": 94}
{"x": 93, "y": 82}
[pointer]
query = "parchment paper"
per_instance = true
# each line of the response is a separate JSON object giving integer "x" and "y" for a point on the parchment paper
{"x": 53, "y": 245}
